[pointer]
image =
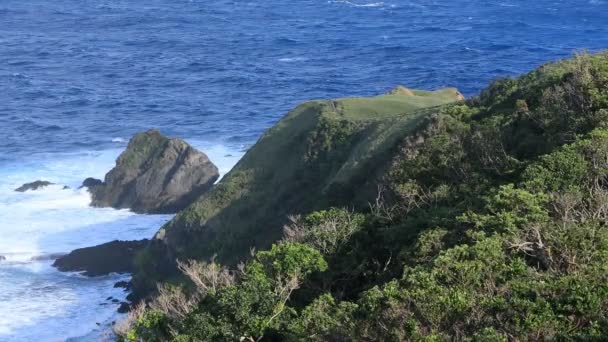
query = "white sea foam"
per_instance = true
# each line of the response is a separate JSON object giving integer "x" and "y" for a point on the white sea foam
{"x": 292, "y": 59}
{"x": 37, "y": 302}
{"x": 119, "y": 140}
{"x": 355, "y": 4}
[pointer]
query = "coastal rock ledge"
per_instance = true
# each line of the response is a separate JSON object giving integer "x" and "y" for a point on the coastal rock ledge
{"x": 112, "y": 257}
{"x": 155, "y": 175}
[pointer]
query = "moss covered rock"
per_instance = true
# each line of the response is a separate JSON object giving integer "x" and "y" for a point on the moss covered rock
{"x": 155, "y": 174}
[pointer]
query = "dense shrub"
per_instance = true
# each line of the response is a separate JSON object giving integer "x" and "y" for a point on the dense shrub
{"x": 490, "y": 225}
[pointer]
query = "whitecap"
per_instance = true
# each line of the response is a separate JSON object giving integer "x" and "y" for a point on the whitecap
{"x": 472, "y": 49}
{"x": 119, "y": 140}
{"x": 354, "y": 4}
{"x": 292, "y": 59}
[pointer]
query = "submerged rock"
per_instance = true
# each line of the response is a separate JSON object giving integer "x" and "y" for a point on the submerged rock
{"x": 2, "y": 258}
{"x": 155, "y": 174}
{"x": 33, "y": 186}
{"x": 112, "y": 257}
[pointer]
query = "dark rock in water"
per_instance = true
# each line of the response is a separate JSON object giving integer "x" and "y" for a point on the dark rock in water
{"x": 33, "y": 186}
{"x": 65, "y": 187}
{"x": 134, "y": 297}
{"x": 2, "y": 258}
{"x": 115, "y": 300}
{"x": 112, "y": 257}
{"x": 123, "y": 284}
{"x": 51, "y": 256}
{"x": 110, "y": 298}
{"x": 156, "y": 174}
{"x": 124, "y": 307}
{"x": 90, "y": 182}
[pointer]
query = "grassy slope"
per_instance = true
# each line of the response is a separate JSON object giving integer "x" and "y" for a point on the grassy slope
{"x": 322, "y": 153}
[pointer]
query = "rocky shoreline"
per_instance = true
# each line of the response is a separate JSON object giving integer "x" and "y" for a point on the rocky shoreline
{"x": 111, "y": 257}
{"x": 154, "y": 175}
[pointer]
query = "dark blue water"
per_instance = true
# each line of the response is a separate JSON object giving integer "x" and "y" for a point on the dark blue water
{"x": 76, "y": 74}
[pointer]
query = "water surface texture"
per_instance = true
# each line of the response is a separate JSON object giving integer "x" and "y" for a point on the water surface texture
{"x": 78, "y": 78}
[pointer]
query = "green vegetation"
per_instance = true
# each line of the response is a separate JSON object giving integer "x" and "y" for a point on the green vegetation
{"x": 488, "y": 223}
{"x": 322, "y": 154}
{"x": 143, "y": 147}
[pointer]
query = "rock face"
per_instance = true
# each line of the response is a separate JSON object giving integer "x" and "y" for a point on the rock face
{"x": 155, "y": 174}
{"x": 33, "y": 186}
{"x": 91, "y": 182}
{"x": 112, "y": 257}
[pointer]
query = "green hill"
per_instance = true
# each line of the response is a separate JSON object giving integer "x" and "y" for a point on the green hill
{"x": 320, "y": 154}
{"x": 483, "y": 220}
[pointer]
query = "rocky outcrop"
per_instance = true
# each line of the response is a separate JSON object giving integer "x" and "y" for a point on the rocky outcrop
{"x": 155, "y": 174}
{"x": 112, "y": 257}
{"x": 39, "y": 184}
{"x": 91, "y": 182}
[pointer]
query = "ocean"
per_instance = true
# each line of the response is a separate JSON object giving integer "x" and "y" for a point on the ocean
{"x": 79, "y": 78}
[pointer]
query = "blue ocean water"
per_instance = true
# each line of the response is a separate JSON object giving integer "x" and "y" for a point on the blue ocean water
{"x": 78, "y": 78}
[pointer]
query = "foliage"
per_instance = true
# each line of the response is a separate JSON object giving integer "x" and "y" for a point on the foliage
{"x": 489, "y": 224}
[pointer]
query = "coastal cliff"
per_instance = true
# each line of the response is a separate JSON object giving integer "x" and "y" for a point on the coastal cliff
{"x": 415, "y": 216}
{"x": 321, "y": 154}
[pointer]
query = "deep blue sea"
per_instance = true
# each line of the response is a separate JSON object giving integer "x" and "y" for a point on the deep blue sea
{"x": 78, "y": 78}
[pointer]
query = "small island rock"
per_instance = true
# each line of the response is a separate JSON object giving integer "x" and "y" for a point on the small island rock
{"x": 39, "y": 184}
{"x": 155, "y": 174}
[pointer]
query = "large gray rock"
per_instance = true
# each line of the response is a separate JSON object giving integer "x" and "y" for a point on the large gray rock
{"x": 155, "y": 174}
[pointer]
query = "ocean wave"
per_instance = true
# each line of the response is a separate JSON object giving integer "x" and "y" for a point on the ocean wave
{"x": 292, "y": 59}
{"x": 119, "y": 140}
{"x": 472, "y": 49}
{"x": 354, "y": 4}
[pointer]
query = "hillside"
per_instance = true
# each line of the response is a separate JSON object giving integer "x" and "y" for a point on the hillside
{"x": 322, "y": 153}
{"x": 486, "y": 222}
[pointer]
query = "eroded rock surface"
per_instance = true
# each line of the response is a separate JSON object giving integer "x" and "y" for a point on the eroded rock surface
{"x": 155, "y": 174}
